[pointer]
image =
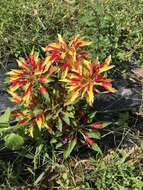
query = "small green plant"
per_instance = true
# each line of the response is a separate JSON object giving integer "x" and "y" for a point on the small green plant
{"x": 12, "y": 140}
{"x": 49, "y": 91}
{"x": 120, "y": 169}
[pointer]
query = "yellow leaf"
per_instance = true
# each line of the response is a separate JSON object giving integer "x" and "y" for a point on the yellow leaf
{"x": 111, "y": 89}
{"x": 14, "y": 87}
{"x": 22, "y": 63}
{"x": 30, "y": 129}
{"x": 72, "y": 98}
{"x": 39, "y": 122}
{"x": 84, "y": 43}
{"x": 90, "y": 97}
{"x": 105, "y": 66}
{"x": 15, "y": 98}
{"x": 64, "y": 75}
{"x": 84, "y": 91}
{"x": 61, "y": 40}
{"x": 14, "y": 72}
{"x": 49, "y": 128}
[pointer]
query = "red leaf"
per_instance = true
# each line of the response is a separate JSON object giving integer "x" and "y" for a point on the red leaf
{"x": 64, "y": 66}
{"x": 87, "y": 139}
{"x": 23, "y": 121}
{"x": 75, "y": 80}
{"x": 55, "y": 56}
{"x": 96, "y": 125}
{"x": 27, "y": 91}
{"x": 43, "y": 90}
{"x": 30, "y": 126}
{"x": 42, "y": 79}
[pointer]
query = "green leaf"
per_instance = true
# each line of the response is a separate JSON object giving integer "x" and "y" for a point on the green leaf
{"x": 141, "y": 145}
{"x": 37, "y": 111}
{"x": 48, "y": 116}
{"x": 66, "y": 119}
{"x": 13, "y": 141}
{"x": 53, "y": 140}
{"x": 106, "y": 123}
{"x": 92, "y": 115}
{"x": 5, "y": 128}
{"x": 59, "y": 125}
{"x": 99, "y": 7}
{"x": 70, "y": 108}
{"x": 47, "y": 97}
{"x": 94, "y": 135}
{"x": 70, "y": 114}
{"x": 58, "y": 145}
{"x": 96, "y": 148}
{"x": 5, "y": 117}
{"x": 29, "y": 156}
{"x": 70, "y": 147}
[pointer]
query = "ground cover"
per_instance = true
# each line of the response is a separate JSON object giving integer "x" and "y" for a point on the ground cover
{"x": 114, "y": 27}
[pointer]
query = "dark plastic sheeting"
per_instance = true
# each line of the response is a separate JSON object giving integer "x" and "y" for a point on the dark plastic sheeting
{"x": 128, "y": 96}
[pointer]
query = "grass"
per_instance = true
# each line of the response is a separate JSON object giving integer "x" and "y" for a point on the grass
{"x": 118, "y": 169}
{"x": 26, "y": 24}
{"x": 114, "y": 27}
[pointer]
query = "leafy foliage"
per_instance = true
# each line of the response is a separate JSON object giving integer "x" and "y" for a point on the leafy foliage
{"x": 13, "y": 141}
{"x": 118, "y": 169}
{"x": 114, "y": 27}
{"x": 48, "y": 91}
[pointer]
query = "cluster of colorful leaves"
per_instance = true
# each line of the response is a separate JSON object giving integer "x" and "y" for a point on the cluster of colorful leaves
{"x": 44, "y": 89}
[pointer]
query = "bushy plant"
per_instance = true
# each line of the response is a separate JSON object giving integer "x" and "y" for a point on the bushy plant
{"x": 48, "y": 92}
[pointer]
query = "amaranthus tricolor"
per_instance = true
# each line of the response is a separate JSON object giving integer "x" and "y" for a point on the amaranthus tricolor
{"x": 44, "y": 89}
